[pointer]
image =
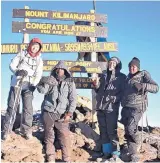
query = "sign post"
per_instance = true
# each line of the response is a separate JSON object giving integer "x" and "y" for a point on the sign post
{"x": 94, "y": 75}
{"x": 26, "y": 35}
{"x": 26, "y": 41}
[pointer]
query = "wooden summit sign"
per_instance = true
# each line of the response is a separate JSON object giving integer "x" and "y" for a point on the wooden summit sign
{"x": 43, "y": 14}
{"x": 64, "y": 47}
{"x": 77, "y": 66}
{"x": 58, "y": 29}
{"x": 83, "y": 83}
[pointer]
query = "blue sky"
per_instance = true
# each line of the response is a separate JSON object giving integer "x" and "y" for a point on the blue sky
{"x": 133, "y": 25}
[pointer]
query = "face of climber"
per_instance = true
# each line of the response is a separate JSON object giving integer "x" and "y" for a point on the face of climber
{"x": 35, "y": 48}
{"x": 133, "y": 69}
{"x": 112, "y": 65}
{"x": 60, "y": 72}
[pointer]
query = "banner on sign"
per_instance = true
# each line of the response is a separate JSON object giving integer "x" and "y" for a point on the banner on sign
{"x": 58, "y": 29}
{"x": 64, "y": 47}
{"x": 43, "y": 14}
{"x": 77, "y": 66}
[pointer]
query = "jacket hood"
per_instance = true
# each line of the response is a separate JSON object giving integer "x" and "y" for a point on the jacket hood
{"x": 61, "y": 65}
{"x": 34, "y": 40}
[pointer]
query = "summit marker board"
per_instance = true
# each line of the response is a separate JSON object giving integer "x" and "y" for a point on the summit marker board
{"x": 58, "y": 15}
{"x": 58, "y": 29}
{"x": 63, "y": 47}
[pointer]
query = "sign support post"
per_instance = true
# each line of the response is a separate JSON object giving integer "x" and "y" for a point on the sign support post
{"x": 94, "y": 75}
{"x": 24, "y": 41}
{"x": 26, "y": 35}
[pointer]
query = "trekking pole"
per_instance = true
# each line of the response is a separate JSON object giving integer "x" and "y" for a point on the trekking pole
{"x": 141, "y": 148}
{"x": 143, "y": 103}
{"x": 147, "y": 123}
{"x": 16, "y": 100}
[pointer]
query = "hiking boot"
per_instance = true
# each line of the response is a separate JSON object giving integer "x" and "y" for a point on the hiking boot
{"x": 115, "y": 159}
{"x": 111, "y": 160}
{"x": 134, "y": 158}
{"x": 115, "y": 154}
{"x": 126, "y": 157}
{"x": 97, "y": 155}
{"x": 104, "y": 157}
{"x": 5, "y": 137}
{"x": 50, "y": 158}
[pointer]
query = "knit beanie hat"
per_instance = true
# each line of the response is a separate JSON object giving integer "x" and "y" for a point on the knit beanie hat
{"x": 135, "y": 61}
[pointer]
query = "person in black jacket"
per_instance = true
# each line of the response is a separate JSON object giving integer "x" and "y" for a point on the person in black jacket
{"x": 137, "y": 85}
{"x": 109, "y": 91}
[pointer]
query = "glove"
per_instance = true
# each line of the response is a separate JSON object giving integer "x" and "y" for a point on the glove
{"x": 95, "y": 81}
{"x": 32, "y": 88}
{"x": 50, "y": 80}
{"x": 21, "y": 73}
{"x": 138, "y": 86}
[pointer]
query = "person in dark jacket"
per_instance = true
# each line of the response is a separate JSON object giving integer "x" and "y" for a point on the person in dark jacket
{"x": 58, "y": 106}
{"x": 26, "y": 65}
{"x": 137, "y": 85}
{"x": 109, "y": 91}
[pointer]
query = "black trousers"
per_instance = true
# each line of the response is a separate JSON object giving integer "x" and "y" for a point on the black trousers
{"x": 130, "y": 119}
{"x": 108, "y": 128}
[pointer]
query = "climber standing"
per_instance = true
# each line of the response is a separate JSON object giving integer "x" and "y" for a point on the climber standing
{"x": 109, "y": 91}
{"x": 26, "y": 65}
{"x": 134, "y": 102}
{"x": 58, "y": 106}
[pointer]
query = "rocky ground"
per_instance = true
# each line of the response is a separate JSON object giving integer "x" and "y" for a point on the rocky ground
{"x": 84, "y": 136}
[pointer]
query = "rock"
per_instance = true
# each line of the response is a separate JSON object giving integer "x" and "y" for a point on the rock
{"x": 157, "y": 146}
{"x": 151, "y": 138}
{"x": 87, "y": 131}
{"x": 121, "y": 136}
{"x": 84, "y": 140}
{"x": 78, "y": 131}
{"x": 18, "y": 149}
{"x": 80, "y": 155}
{"x": 158, "y": 154}
{"x": 85, "y": 102}
{"x": 79, "y": 116}
{"x": 154, "y": 141}
{"x": 90, "y": 144}
{"x": 155, "y": 130}
{"x": 77, "y": 140}
{"x": 88, "y": 117}
{"x": 149, "y": 153}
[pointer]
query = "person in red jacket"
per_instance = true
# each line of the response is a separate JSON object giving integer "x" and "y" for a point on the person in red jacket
{"x": 29, "y": 65}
